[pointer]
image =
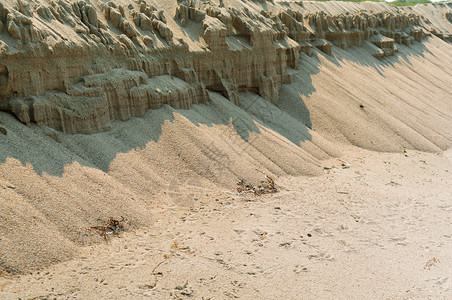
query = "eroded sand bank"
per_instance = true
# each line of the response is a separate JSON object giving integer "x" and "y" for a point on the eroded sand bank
{"x": 373, "y": 95}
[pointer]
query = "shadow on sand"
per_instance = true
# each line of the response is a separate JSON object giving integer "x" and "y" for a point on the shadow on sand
{"x": 290, "y": 117}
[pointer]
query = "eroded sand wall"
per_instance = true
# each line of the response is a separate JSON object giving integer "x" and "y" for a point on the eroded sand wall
{"x": 76, "y": 67}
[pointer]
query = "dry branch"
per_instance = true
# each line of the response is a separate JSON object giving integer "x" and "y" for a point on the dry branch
{"x": 266, "y": 186}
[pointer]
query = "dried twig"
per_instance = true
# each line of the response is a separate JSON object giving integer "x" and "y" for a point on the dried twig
{"x": 154, "y": 273}
{"x": 184, "y": 249}
{"x": 265, "y": 187}
{"x": 113, "y": 227}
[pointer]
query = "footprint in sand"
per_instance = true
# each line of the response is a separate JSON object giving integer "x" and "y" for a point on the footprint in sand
{"x": 300, "y": 269}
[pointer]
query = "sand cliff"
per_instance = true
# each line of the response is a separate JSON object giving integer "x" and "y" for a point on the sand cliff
{"x": 273, "y": 87}
{"x": 76, "y": 67}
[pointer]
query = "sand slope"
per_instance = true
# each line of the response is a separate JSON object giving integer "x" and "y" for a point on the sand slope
{"x": 380, "y": 229}
{"x": 55, "y": 186}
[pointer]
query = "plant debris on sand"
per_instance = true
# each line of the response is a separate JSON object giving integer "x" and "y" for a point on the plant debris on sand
{"x": 266, "y": 186}
{"x": 113, "y": 227}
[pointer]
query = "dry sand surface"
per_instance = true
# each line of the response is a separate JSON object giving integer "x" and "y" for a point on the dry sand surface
{"x": 377, "y": 226}
{"x": 356, "y": 137}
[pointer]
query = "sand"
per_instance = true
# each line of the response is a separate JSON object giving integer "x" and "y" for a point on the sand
{"x": 359, "y": 148}
{"x": 377, "y": 229}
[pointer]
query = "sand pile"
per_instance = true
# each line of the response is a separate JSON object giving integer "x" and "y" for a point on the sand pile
{"x": 94, "y": 98}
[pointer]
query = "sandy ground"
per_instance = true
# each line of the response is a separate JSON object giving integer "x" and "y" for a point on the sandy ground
{"x": 374, "y": 225}
{"x": 347, "y": 223}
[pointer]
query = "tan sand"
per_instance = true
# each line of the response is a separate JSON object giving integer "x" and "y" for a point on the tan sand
{"x": 358, "y": 143}
{"x": 379, "y": 229}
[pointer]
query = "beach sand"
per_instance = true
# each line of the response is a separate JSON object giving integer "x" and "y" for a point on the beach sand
{"x": 358, "y": 147}
{"x": 377, "y": 226}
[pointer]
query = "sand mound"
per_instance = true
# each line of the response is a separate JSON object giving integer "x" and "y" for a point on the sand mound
{"x": 272, "y": 92}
